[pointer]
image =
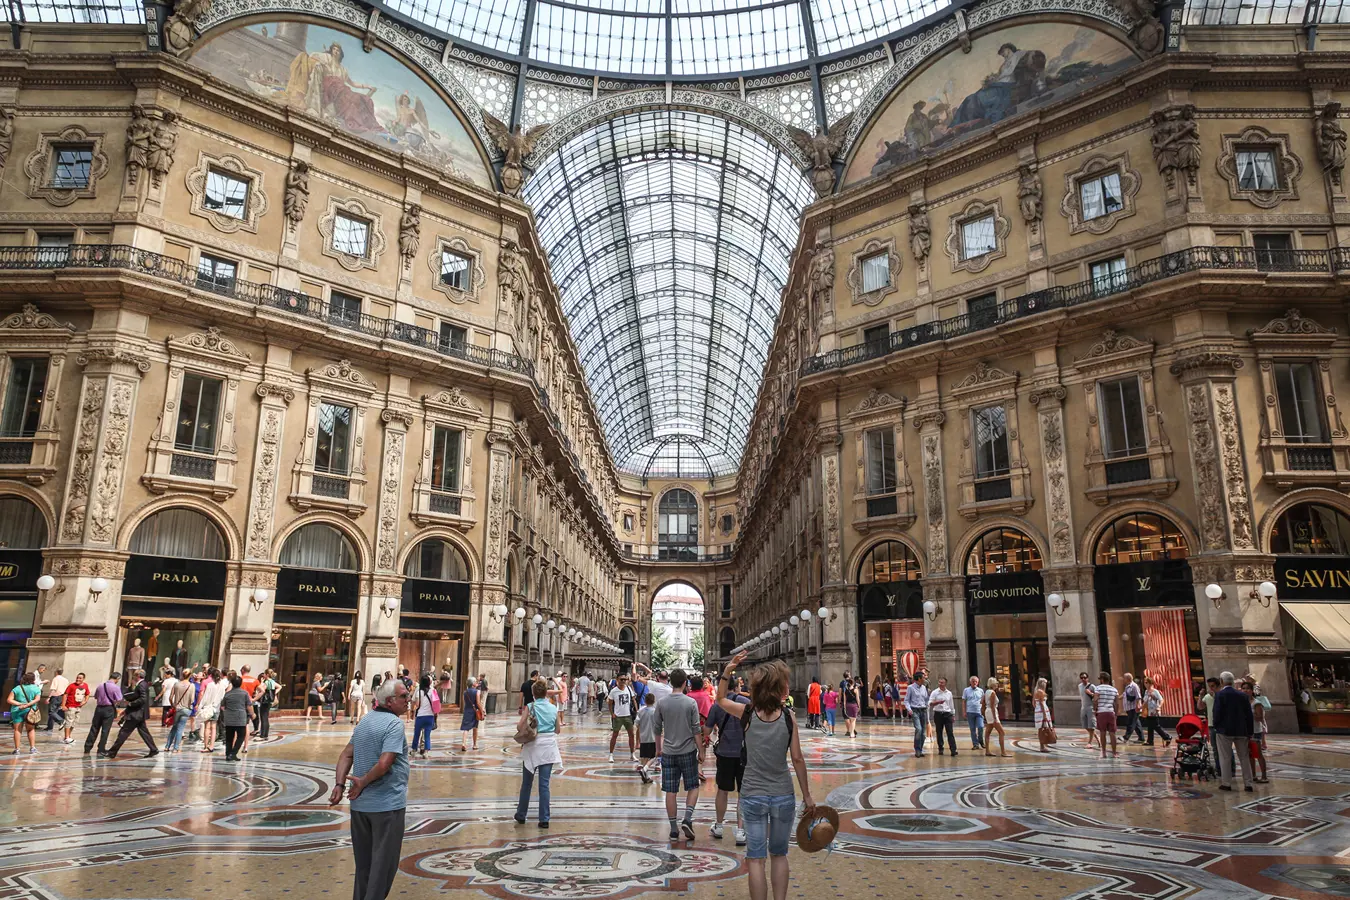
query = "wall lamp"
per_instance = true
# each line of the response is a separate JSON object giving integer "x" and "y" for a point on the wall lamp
{"x": 1263, "y": 593}
{"x": 97, "y": 587}
{"x": 388, "y": 605}
{"x": 47, "y": 582}
{"x": 1215, "y": 593}
{"x": 498, "y": 613}
{"x": 1058, "y": 602}
{"x": 932, "y": 610}
{"x": 258, "y": 598}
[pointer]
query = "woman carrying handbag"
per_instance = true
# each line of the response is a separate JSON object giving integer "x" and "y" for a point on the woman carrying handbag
{"x": 537, "y": 733}
{"x": 1045, "y": 723}
{"x": 473, "y": 714}
{"x": 23, "y": 710}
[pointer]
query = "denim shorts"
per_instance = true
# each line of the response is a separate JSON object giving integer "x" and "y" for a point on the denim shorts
{"x": 768, "y": 824}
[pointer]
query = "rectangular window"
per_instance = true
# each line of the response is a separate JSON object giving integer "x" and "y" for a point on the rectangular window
{"x": 983, "y": 311}
{"x": 454, "y": 270}
{"x": 627, "y": 521}
{"x": 877, "y": 335}
{"x": 977, "y": 237}
{"x": 1100, "y": 196}
{"x": 334, "y": 439}
{"x": 344, "y": 309}
{"x": 23, "y": 396}
{"x": 880, "y": 452}
{"x": 198, "y": 409}
{"x": 991, "y": 441}
{"x": 226, "y": 194}
{"x": 351, "y": 235}
{"x": 1109, "y": 275}
{"x": 1122, "y": 417}
{"x": 453, "y": 337}
{"x": 726, "y": 601}
{"x": 71, "y": 165}
{"x": 1273, "y": 251}
{"x": 1296, "y": 383}
{"x": 1256, "y": 170}
{"x": 876, "y": 272}
{"x": 628, "y": 601}
{"x": 445, "y": 444}
{"x": 215, "y": 274}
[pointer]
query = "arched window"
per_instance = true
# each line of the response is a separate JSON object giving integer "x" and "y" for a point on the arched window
{"x": 1311, "y": 529}
{"x": 627, "y": 642}
{"x": 319, "y": 545}
{"x": 1001, "y": 550}
{"x": 22, "y": 526}
{"x": 726, "y": 642}
{"x": 889, "y": 561}
{"x": 1140, "y": 537}
{"x": 510, "y": 575}
{"x": 677, "y": 525}
{"x": 180, "y": 532}
{"x": 525, "y": 587}
{"x": 438, "y": 560}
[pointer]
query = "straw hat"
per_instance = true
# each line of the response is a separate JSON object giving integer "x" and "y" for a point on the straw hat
{"x": 815, "y": 834}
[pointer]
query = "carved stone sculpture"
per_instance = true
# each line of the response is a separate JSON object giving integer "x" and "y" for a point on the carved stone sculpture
{"x": 162, "y": 143}
{"x": 1147, "y": 32}
{"x": 180, "y": 30}
{"x": 409, "y": 232}
{"x": 6, "y": 134}
{"x": 1029, "y": 195}
{"x": 920, "y": 234}
{"x": 821, "y": 280}
{"x": 1331, "y": 141}
{"x": 139, "y": 134}
{"x": 513, "y": 279}
{"x": 820, "y": 148}
{"x": 297, "y": 192}
{"x": 1176, "y": 143}
{"x": 516, "y": 146}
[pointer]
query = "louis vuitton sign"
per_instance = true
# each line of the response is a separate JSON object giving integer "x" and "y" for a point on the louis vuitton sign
{"x": 1126, "y": 585}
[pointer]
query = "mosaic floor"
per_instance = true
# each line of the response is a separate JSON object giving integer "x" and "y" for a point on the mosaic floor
{"x": 1064, "y": 824}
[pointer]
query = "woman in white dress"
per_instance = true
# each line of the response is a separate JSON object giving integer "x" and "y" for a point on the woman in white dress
{"x": 1042, "y": 711}
{"x": 356, "y": 698}
{"x": 992, "y": 722}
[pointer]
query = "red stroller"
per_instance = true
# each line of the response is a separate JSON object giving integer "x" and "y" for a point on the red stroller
{"x": 1192, "y": 758}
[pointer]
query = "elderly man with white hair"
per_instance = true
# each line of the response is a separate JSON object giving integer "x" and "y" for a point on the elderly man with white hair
{"x": 1233, "y": 726}
{"x": 376, "y": 762}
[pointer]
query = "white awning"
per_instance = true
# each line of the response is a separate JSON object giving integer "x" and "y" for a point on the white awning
{"x": 1328, "y": 623}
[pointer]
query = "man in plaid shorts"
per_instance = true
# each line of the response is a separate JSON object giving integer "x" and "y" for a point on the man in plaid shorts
{"x": 677, "y": 720}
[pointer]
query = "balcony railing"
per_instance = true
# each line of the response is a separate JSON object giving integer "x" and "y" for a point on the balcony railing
{"x": 16, "y": 451}
{"x": 1311, "y": 459}
{"x": 328, "y": 486}
{"x": 693, "y": 553}
{"x": 187, "y": 466}
{"x": 1127, "y": 471}
{"x": 446, "y": 504}
{"x": 1193, "y": 259}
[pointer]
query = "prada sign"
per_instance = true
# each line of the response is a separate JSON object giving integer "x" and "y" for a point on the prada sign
{"x": 436, "y": 598}
{"x": 1313, "y": 577}
{"x": 19, "y": 571}
{"x": 1009, "y": 592}
{"x": 1127, "y": 585}
{"x": 322, "y": 588}
{"x": 171, "y": 577}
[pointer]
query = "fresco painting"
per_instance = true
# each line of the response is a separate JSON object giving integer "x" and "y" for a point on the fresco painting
{"x": 328, "y": 74}
{"x": 1007, "y": 72}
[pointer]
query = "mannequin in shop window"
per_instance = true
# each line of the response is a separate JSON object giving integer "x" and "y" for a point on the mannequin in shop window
{"x": 135, "y": 655}
{"x": 179, "y": 657}
{"x": 152, "y": 645}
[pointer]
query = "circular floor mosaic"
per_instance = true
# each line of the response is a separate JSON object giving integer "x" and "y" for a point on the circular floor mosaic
{"x": 1139, "y": 790}
{"x": 99, "y": 786}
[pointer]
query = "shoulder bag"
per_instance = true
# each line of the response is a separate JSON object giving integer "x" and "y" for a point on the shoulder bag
{"x": 1046, "y": 733}
{"x": 528, "y": 730}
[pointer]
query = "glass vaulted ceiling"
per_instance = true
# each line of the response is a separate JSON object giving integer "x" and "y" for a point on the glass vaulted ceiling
{"x": 668, "y": 233}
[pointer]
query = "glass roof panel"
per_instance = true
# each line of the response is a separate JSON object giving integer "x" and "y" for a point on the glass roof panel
{"x": 656, "y": 223}
{"x": 841, "y": 24}
{"x": 495, "y": 24}
{"x": 604, "y": 42}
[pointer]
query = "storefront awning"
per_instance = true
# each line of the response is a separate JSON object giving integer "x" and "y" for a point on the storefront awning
{"x": 1328, "y": 623}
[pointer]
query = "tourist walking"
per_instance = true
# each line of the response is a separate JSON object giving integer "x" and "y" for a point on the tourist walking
{"x": 768, "y": 803}
{"x": 539, "y": 756}
{"x": 813, "y": 702}
{"x": 335, "y": 692}
{"x": 992, "y": 721}
{"x": 24, "y": 714}
{"x": 730, "y": 770}
{"x": 830, "y": 703}
{"x": 1087, "y": 707}
{"x": 182, "y": 700}
{"x": 1234, "y": 724}
{"x": 214, "y": 687}
{"x": 527, "y": 690}
{"x": 473, "y": 714}
{"x": 942, "y": 707}
{"x": 622, "y": 708}
{"x": 106, "y": 697}
{"x": 234, "y": 716}
{"x": 314, "y": 698}
{"x": 76, "y": 696}
{"x": 1132, "y": 700}
{"x": 133, "y": 717}
{"x": 677, "y": 721}
{"x": 56, "y": 693}
{"x": 1045, "y": 723}
{"x": 268, "y": 689}
{"x": 916, "y": 703}
{"x": 648, "y": 737}
{"x": 164, "y": 699}
{"x": 1153, "y": 704}
{"x": 375, "y": 760}
{"x": 425, "y": 707}
{"x": 852, "y": 707}
{"x": 1107, "y": 700}
{"x": 973, "y": 699}
{"x": 583, "y": 688}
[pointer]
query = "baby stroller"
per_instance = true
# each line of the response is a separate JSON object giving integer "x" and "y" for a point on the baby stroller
{"x": 1192, "y": 759}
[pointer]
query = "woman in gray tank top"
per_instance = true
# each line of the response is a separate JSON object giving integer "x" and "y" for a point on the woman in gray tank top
{"x": 767, "y": 802}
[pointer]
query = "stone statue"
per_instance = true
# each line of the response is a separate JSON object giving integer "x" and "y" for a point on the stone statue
{"x": 920, "y": 234}
{"x": 139, "y": 134}
{"x": 821, "y": 280}
{"x": 820, "y": 148}
{"x": 409, "y": 232}
{"x": 162, "y": 142}
{"x": 297, "y": 192}
{"x": 1029, "y": 194}
{"x": 513, "y": 280}
{"x": 1176, "y": 143}
{"x": 1148, "y": 31}
{"x": 1331, "y": 141}
{"x": 180, "y": 30}
{"x": 516, "y": 146}
{"x": 6, "y": 134}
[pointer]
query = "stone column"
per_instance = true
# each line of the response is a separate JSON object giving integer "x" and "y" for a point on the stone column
{"x": 839, "y": 645}
{"x": 489, "y": 650}
{"x": 78, "y": 629}
{"x": 379, "y": 636}
{"x": 944, "y": 644}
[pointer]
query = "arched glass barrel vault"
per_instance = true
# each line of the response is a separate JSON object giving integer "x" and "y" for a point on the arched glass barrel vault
{"x": 1311, "y": 543}
{"x": 435, "y": 613}
{"x": 1146, "y": 618}
{"x": 23, "y": 534}
{"x": 173, "y": 592}
{"x": 318, "y": 594}
{"x": 890, "y": 614}
{"x": 1006, "y": 624}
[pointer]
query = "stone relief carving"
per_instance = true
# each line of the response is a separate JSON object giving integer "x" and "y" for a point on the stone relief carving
{"x": 920, "y": 234}
{"x": 1147, "y": 32}
{"x": 830, "y": 486}
{"x": 1176, "y": 144}
{"x": 30, "y": 318}
{"x": 1293, "y": 323}
{"x": 1234, "y": 470}
{"x": 82, "y": 465}
{"x": 821, "y": 279}
{"x": 409, "y": 233}
{"x": 387, "y": 544}
{"x": 6, "y": 134}
{"x": 820, "y": 149}
{"x": 163, "y": 142}
{"x": 1288, "y": 167}
{"x": 108, "y": 490}
{"x": 297, "y": 192}
{"x": 934, "y": 505}
{"x": 272, "y": 389}
{"x": 213, "y": 342}
{"x": 342, "y": 372}
{"x": 180, "y": 29}
{"x": 40, "y": 166}
{"x": 1029, "y": 202}
{"x": 983, "y": 374}
{"x": 1328, "y": 132}
{"x": 492, "y": 563}
{"x": 1057, "y": 482}
{"x": 1112, "y": 342}
{"x": 516, "y": 145}
{"x": 876, "y": 399}
{"x": 263, "y": 496}
{"x": 139, "y": 131}
{"x": 1205, "y": 457}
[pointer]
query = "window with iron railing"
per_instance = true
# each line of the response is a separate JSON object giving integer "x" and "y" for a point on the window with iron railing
{"x": 198, "y": 413}
{"x": 1122, "y": 430}
{"x": 1300, "y": 402}
{"x": 879, "y": 461}
{"x": 23, "y": 396}
{"x": 989, "y": 426}
{"x": 344, "y": 309}
{"x": 333, "y": 442}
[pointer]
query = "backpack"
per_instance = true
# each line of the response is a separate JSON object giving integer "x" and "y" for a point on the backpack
{"x": 745, "y": 730}
{"x": 269, "y": 695}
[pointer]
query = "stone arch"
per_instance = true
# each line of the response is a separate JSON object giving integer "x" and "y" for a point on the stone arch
{"x": 19, "y": 489}
{"x": 234, "y": 541}
{"x": 1093, "y": 532}
{"x": 858, "y": 555}
{"x": 450, "y": 536}
{"x": 1325, "y": 496}
{"x": 364, "y": 552}
{"x": 976, "y": 531}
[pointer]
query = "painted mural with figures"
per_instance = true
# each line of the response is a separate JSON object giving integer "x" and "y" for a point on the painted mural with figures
{"x": 1007, "y": 72}
{"x": 328, "y": 74}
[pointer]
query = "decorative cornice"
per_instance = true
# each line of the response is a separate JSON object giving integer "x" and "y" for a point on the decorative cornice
{"x": 1113, "y": 342}
{"x": 342, "y": 372}
{"x": 931, "y": 417}
{"x": 30, "y": 318}
{"x": 272, "y": 389}
{"x": 210, "y": 341}
{"x": 1209, "y": 362}
{"x": 1054, "y": 392}
{"x": 114, "y": 356}
{"x": 877, "y": 400}
{"x": 984, "y": 374}
{"x": 1292, "y": 323}
{"x": 393, "y": 414}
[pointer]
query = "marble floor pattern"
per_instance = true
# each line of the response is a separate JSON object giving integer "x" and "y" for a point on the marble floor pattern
{"x": 191, "y": 826}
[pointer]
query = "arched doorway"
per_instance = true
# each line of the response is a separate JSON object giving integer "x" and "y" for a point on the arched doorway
{"x": 1005, "y": 616}
{"x": 23, "y": 535}
{"x": 173, "y": 593}
{"x": 890, "y": 616}
{"x": 1311, "y": 543}
{"x": 318, "y": 594}
{"x": 677, "y": 525}
{"x": 677, "y": 625}
{"x": 435, "y": 613}
{"x": 726, "y": 642}
{"x": 1146, "y": 621}
{"x": 627, "y": 642}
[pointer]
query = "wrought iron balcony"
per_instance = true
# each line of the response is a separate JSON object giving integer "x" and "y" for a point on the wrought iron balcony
{"x": 329, "y": 486}
{"x": 1311, "y": 459}
{"x": 16, "y": 451}
{"x": 446, "y": 504}
{"x": 1126, "y": 471}
{"x": 189, "y": 466}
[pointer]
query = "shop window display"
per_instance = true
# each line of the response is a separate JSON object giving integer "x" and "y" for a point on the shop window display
{"x": 1162, "y": 644}
{"x": 178, "y": 644}
{"x": 298, "y": 654}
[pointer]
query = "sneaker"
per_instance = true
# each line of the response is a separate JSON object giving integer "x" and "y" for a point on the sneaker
{"x": 687, "y": 826}
{"x": 32, "y": 750}
{"x": 634, "y": 754}
{"x": 611, "y": 757}
{"x": 674, "y": 832}
{"x": 646, "y": 779}
{"x": 740, "y": 837}
{"x": 716, "y": 830}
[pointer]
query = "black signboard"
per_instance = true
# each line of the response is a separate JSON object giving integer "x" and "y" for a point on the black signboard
{"x": 1127, "y": 585}
{"x": 19, "y": 571}
{"x": 1312, "y": 577}
{"x": 891, "y": 600}
{"x": 322, "y": 588}
{"x": 179, "y": 579}
{"x": 1010, "y": 592}
{"x": 436, "y": 598}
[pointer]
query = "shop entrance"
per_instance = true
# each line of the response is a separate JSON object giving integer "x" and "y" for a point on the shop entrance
{"x": 1015, "y": 650}
{"x": 1005, "y": 618}
{"x": 318, "y": 592}
{"x": 299, "y": 652}
{"x": 890, "y": 620}
{"x": 435, "y": 616}
{"x": 23, "y": 534}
